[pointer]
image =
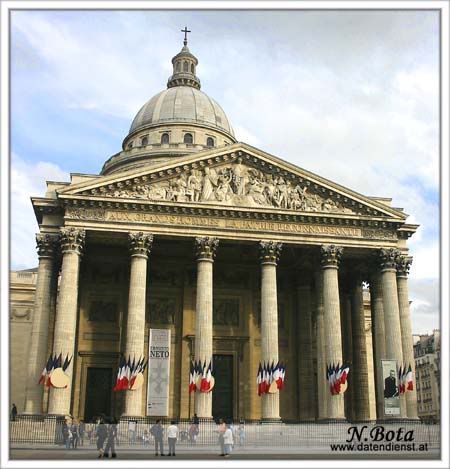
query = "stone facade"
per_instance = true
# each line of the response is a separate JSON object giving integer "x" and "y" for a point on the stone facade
{"x": 239, "y": 253}
{"x": 22, "y": 293}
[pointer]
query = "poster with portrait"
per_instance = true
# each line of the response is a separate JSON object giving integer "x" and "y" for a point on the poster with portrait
{"x": 390, "y": 387}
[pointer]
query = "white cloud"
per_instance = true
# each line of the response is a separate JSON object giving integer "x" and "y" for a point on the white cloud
{"x": 27, "y": 179}
{"x": 425, "y": 301}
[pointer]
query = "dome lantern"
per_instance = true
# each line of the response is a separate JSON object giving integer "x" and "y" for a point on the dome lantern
{"x": 184, "y": 67}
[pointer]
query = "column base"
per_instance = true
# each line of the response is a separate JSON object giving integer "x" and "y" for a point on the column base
{"x": 398, "y": 420}
{"x": 271, "y": 420}
{"x": 330, "y": 421}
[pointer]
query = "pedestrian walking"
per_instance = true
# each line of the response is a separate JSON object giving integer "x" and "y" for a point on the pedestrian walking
{"x": 101, "y": 432}
{"x": 13, "y": 413}
{"x": 196, "y": 420}
{"x": 157, "y": 432}
{"x": 111, "y": 438}
{"x": 228, "y": 441}
{"x": 221, "y": 430}
{"x": 172, "y": 435}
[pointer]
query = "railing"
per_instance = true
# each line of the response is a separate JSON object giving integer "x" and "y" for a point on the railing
{"x": 250, "y": 433}
{"x": 36, "y": 429}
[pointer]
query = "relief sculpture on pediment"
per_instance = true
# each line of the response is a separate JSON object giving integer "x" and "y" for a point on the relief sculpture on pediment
{"x": 235, "y": 184}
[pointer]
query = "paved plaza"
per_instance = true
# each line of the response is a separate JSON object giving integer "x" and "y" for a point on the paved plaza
{"x": 89, "y": 452}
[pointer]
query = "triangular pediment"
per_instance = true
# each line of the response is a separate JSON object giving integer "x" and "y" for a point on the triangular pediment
{"x": 237, "y": 176}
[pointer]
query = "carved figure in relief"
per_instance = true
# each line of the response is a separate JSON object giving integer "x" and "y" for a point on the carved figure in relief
{"x": 194, "y": 186}
{"x": 240, "y": 177}
{"x": 269, "y": 189}
{"x": 256, "y": 191}
{"x": 224, "y": 191}
{"x": 209, "y": 184}
{"x": 281, "y": 193}
{"x": 314, "y": 203}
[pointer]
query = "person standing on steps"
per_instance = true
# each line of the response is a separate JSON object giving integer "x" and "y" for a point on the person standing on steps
{"x": 172, "y": 435}
{"x": 221, "y": 430}
{"x": 157, "y": 431}
{"x": 228, "y": 440}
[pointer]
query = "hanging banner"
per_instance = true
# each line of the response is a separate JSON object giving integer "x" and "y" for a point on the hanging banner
{"x": 391, "y": 394}
{"x": 158, "y": 373}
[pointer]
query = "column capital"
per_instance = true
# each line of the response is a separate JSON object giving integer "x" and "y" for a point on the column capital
{"x": 46, "y": 244}
{"x": 72, "y": 240}
{"x": 403, "y": 265}
{"x": 387, "y": 258}
{"x": 330, "y": 255}
{"x": 140, "y": 244}
{"x": 206, "y": 247}
{"x": 269, "y": 252}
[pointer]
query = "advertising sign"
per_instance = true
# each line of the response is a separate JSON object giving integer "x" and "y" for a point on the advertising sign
{"x": 390, "y": 380}
{"x": 158, "y": 373}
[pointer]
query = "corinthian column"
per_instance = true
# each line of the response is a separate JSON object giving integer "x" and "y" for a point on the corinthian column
{"x": 322, "y": 387}
{"x": 392, "y": 329}
{"x": 205, "y": 251}
{"x": 330, "y": 257}
{"x": 360, "y": 379}
{"x": 269, "y": 254}
{"x": 379, "y": 342}
{"x": 46, "y": 245}
{"x": 140, "y": 245}
{"x": 305, "y": 363}
{"x": 403, "y": 265}
{"x": 72, "y": 244}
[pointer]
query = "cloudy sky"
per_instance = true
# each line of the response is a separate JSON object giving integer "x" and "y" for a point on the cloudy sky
{"x": 352, "y": 96}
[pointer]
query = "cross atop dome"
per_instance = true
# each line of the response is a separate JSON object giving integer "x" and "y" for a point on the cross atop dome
{"x": 185, "y": 31}
{"x": 184, "y": 65}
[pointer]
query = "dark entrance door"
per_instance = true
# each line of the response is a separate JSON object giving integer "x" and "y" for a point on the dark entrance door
{"x": 222, "y": 394}
{"x": 98, "y": 393}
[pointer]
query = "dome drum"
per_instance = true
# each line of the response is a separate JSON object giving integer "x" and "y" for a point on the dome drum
{"x": 161, "y": 142}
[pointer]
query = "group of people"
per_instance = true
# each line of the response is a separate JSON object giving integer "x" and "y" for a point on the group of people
{"x": 105, "y": 434}
{"x": 73, "y": 433}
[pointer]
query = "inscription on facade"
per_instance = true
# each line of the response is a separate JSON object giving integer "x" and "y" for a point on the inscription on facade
{"x": 250, "y": 225}
{"x": 234, "y": 224}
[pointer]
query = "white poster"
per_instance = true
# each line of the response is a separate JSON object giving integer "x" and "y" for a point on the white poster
{"x": 158, "y": 372}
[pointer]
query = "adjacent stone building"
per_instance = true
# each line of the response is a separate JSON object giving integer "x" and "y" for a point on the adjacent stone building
{"x": 245, "y": 257}
{"x": 427, "y": 353}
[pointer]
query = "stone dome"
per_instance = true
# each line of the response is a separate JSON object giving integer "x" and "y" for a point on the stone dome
{"x": 182, "y": 104}
{"x": 177, "y": 121}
